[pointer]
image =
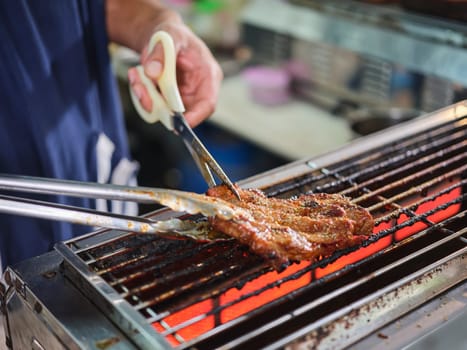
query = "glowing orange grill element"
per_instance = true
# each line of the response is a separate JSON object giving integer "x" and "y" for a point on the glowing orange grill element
{"x": 193, "y": 330}
{"x": 254, "y": 302}
{"x": 435, "y": 218}
{"x": 199, "y": 318}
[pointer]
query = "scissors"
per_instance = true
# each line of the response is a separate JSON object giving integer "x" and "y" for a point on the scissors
{"x": 168, "y": 108}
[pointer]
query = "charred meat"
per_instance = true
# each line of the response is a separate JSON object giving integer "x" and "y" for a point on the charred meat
{"x": 303, "y": 228}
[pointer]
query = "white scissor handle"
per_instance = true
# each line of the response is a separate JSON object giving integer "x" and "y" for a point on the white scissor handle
{"x": 170, "y": 100}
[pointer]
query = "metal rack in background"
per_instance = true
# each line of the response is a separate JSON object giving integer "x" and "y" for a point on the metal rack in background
{"x": 386, "y": 52}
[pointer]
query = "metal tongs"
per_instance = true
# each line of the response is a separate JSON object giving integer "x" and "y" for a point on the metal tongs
{"x": 168, "y": 108}
{"x": 191, "y": 203}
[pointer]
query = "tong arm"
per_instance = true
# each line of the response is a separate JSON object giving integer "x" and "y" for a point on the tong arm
{"x": 89, "y": 217}
{"x": 180, "y": 201}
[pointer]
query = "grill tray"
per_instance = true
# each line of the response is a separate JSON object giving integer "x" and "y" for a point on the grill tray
{"x": 179, "y": 293}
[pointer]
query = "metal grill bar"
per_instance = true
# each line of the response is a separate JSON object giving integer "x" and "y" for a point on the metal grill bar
{"x": 121, "y": 249}
{"x": 417, "y": 162}
{"x": 408, "y": 157}
{"x": 396, "y": 213}
{"x": 160, "y": 267}
{"x": 109, "y": 241}
{"x": 387, "y": 155}
{"x": 140, "y": 253}
{"x": 145, "y": 264}
{"x": 417, "y": 176}
{"x": 168, "y": 278}
{"x": 423, "y": 216}
{"x": 249, "y": 276}
{"x": 185, "y": 287}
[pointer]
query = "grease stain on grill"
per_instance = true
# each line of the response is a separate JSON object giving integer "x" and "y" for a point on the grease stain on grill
{"x": 37, "y": 307}
{"x": 105, "y": 344}
{"x": 49, "y": 274}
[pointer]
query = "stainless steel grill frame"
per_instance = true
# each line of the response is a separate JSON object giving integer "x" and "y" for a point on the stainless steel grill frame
{"x": 136, "y": 280}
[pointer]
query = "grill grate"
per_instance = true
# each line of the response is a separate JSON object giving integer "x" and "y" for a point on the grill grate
{"x": 212, "y": 293}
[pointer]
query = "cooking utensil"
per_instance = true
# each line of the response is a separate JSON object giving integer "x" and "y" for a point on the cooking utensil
{"x": 191, "y": 203}
{"x": 168, "y": 108}
{"x": 88, "y": 217}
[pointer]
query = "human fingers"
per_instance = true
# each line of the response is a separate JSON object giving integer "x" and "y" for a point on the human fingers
{"x": 139, "y": 89}
{"x": 199, "y": 87}
{"x": 153, "y": 66}
{"x": 199, "y": 112}
{"x": 153, "y": 62}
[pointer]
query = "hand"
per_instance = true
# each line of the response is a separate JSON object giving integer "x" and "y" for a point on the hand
{"x": 198, "y": 74}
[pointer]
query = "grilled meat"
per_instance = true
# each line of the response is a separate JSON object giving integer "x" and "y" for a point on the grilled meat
{"x": 303, "y": 228}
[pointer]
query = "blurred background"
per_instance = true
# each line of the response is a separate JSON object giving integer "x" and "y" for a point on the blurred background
{"x": 303, "y": 77}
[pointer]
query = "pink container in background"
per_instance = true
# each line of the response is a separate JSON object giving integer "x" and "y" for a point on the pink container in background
{"x": 267, "y": 85}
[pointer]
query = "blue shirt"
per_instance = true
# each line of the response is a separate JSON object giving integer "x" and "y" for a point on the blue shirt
{"x": 60, "y": 115}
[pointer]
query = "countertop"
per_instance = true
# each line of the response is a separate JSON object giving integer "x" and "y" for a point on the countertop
{"x": 294, "y": 130}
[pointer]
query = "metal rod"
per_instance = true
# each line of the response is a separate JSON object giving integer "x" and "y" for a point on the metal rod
{"x": 401, "y": 209}
{"x": 89, "y": 248}
{"x": 189, "y": 202}
{"x": 88, "y": 217}
{"x": 418, "y": 189}
{"x": 168, "y": 276}
{"x": 397, "y": 170}
{"x": 386, "y": 152}
{"x": 415, "y": 176}
{"x": 201, "y": 281}
{"x": 156, "y": 261}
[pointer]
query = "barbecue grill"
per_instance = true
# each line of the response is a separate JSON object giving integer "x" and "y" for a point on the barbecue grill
{"x": 117, "y": 290}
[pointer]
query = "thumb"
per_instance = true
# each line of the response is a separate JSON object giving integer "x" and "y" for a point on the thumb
{"x": 153, "y": 61}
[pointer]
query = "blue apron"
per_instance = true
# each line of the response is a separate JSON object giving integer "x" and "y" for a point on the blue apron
{"x": 60, "y": 115}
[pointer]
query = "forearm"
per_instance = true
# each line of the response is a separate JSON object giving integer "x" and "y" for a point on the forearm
{"x": 131, "y": 22}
